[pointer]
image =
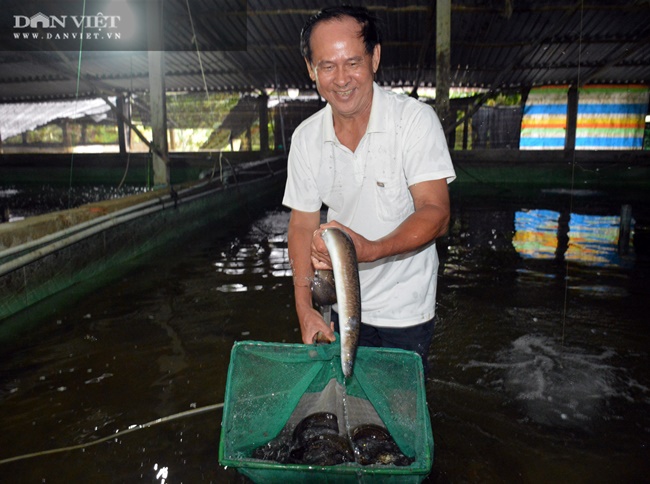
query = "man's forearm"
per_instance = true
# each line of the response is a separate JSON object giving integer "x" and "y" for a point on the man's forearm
{"x": 299, "y": 239}
{"x": 420, "y": 228}
{"x": 429, "y": 221}
{"x": 300, "y": 233}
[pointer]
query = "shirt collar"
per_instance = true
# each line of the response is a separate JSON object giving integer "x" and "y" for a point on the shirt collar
{"x": 328, "y": 125}
{"x": 376, "y": 122}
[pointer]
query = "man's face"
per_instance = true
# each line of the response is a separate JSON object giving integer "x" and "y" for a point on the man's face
{"x": 340, "y": 66}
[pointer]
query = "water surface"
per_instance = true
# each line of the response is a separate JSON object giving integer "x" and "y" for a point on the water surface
{"x": 539, "y": 361}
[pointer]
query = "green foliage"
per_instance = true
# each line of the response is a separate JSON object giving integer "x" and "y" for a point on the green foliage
{"x": 193, "y": 118}
{"x": 504, "y": 100}
{"x": 196, "y": 110}
{"x": 52, "y": 133}
{"x": 101, "y": 134}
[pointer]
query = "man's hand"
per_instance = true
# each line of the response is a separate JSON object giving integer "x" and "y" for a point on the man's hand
{"x": 320, "y": 258}
{"x": 311, "y": 323}
{"x": 300, "y": 236}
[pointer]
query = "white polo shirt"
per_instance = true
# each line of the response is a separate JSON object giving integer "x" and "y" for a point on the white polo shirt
{"x": 368, "y": 191}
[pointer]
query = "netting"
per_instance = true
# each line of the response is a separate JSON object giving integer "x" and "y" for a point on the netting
{"x": 271, "y": 386}
{"x": 496, "y": 127}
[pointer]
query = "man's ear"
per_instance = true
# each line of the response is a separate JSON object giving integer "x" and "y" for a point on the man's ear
{"x": 310, "y": 69}
{"x": 376, "y": 55}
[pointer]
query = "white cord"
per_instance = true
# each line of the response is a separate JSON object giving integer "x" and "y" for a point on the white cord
{"x": 117, "y": 434}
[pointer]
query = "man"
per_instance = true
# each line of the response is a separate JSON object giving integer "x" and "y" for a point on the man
{"x": 380, "y": 163}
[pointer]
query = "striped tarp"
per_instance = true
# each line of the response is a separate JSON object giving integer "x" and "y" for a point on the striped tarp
{"x": 543, "y": 125}
{"x": 609, "y": 118}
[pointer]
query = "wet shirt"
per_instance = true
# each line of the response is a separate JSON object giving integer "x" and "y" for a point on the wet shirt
{"x": 367, "y": 190}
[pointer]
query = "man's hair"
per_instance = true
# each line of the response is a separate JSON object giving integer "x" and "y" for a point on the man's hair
{"x": 370, "y": 32}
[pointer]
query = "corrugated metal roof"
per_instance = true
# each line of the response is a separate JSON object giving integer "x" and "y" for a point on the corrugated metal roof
{"x": 16, "y": 118}
{"x": 504, "y": 44}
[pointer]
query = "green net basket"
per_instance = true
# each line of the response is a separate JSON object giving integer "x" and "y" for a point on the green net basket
{"x": 266, "y": 382}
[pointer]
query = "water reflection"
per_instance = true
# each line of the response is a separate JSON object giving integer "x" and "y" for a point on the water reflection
{"x": 266, "y": 254}
{"x": 586, "y": 239}
{"x": 536, "y": 233}
{"x": 594, "y": 239}
{"x": 162, "y": 473}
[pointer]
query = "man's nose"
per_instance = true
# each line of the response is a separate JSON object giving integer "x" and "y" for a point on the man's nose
{"x": 342, "y": 77}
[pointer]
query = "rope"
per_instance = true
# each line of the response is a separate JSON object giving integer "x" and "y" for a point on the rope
{"x": 76, "y": 95}
{"x": 120, "y": 433}
{"x": 277, "y": 91}
{"x": 573, "y": 170}
{"x": 126, "y": 169}
{"x": 198, "y": 51}
{"x": 205, "y": 87}
{"x": 127, "y": 142}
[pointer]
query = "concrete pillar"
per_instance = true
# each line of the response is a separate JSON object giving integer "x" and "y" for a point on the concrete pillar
{"x": 443, "y": 59}
{"x": 157, "y": 93}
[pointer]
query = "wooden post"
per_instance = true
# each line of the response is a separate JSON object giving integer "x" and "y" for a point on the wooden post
{"x": 571, "y": 119}
{"x": 277, "y": 134}
{"x": 263, "y": 102}
{"x": 443, "y": 59}
{"x": 249, "y": 140}
{"x": 66, "y": 136}
{"x": 562, "y": 236}
{"x": 157, "y": 93}
{"x": 625, "y": 229}
{"x": 466, "y": 126}
{"x": 123, "y": 133}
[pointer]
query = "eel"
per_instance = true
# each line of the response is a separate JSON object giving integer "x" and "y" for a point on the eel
{"x": 348, "y": 292}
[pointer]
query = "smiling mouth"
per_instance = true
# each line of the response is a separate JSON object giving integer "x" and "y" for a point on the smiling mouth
{"x": 344, "y": 93}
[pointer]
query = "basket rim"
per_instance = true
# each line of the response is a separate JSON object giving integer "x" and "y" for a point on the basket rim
{"x": 422, "y": 466}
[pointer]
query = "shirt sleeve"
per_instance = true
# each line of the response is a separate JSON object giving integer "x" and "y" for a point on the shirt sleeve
{"x": 427, "y": 155}
{"x": 301, "y": 192}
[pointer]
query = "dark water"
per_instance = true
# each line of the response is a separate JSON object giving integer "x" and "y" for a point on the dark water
{"x": 20, "y": 201}
{"x": 539, "y": 362}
